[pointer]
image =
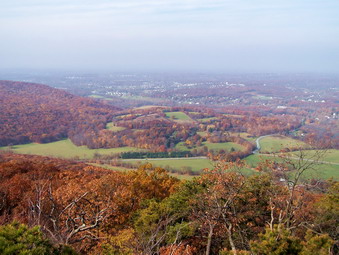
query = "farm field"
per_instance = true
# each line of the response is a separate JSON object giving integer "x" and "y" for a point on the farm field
{"x": 114, "y": 168}
{"x": 322, "y": 171}
{"x": 65, "y": 149}
{"x": 148, "y": 107}
{"x": 212, "y": 146}
{"x": 178, "y": 116}
{"x": 277, "y": 143}
{"x": 180, "y": 164}
{"x": 330, "y": 156}
{"x": 207, "y": 119}
{"x": 110, "y": 126}
{"x": 244, "y": 135}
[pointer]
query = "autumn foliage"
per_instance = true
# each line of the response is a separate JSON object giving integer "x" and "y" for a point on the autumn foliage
{"x": 38, "y": 113}
{"x": 146, "y": 211}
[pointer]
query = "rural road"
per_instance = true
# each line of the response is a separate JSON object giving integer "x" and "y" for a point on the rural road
{"x": 257, "y": 151}
{"x": 257, "y": 141}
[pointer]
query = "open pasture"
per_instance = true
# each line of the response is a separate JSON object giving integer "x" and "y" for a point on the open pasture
{"x": 244, "y": 135}
{"x": 110, "y": 126}
{"x": 329, "y": 156}
{"x": 65, "y": 149}
{"x": 178, "y": 116}
{"x": 179, "y": 164}
{"x": 207, "y": 119}
{"x": 277, "y": 143}
{"x": 321, "y": 170}
{"x": 212, "y": 146}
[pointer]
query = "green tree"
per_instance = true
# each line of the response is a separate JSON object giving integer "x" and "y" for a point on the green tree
{"x": 327, "y": 213}
{"x": 165, "y": 222}
{"x": 316, "y": 244}
{"x": 276, "y": 241}
{"x": 19, "y": 239}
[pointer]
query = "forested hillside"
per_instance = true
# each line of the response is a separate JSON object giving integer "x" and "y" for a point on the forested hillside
{"x": 38, "y": 113}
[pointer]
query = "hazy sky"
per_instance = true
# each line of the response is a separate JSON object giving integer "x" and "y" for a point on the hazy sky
{"x": 171, "y": 35}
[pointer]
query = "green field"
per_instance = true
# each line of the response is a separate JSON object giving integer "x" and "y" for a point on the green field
{"x": 322, "y": 170}
{"x": 207, "y": 119}
{"x": 212, "y": 146}
{"x": 330, "y": 155}
{"x": 100, "y": 97}
{"x": 277, "y": 143}
{"x": 148, "y": 107}
{"x": 261, "y": 97}
{"x": 202, "y": 134}
{"x": 112, "y": 127}
{"x": 65, "y": 149}
{"x": 180, "y": 164}
{"x": 95, "y": 96}
{"x": 114, "y": 168}
{"x": 178, "y": 116}
{"x": 244, "y": 135}
{"x": 254, "y": 159}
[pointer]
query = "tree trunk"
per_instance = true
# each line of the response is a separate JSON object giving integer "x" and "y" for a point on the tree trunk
{"x": 230, "y": 239}
{"x": 209, "y": 240}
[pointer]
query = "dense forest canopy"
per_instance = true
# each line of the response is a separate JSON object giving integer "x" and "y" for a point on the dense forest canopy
{"x": 89, "y": 210}
{"x": 38, "y": 113}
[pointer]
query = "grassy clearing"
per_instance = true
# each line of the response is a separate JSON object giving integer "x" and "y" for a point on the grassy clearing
{"x": 254, "y": 159}
{"x": 114, "y": 168}
{"x": 277, "y": 143}
{"x": 223, "y": 146}
{"x": 330, "y": 156}
{"x": 110, "y": 126}
{"x": 322, "y": 171}
{"x": 148, "y": 107}
{"x": 261, "y": 97}
{"x": 65, "y": 149}
{"x": 202, "y": 134}
{"x": 212, "y": 146}
{"x": 95, "y": 96}
{"x": 178, "y": 116}
{"x": 194, "y": 164}
{"x": 207, "y": 119}
{"x": 100, "y": 97}
{"x": 244, "y": 135}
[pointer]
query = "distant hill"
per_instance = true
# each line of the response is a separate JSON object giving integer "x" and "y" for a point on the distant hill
{"x": 38, "y": 113}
